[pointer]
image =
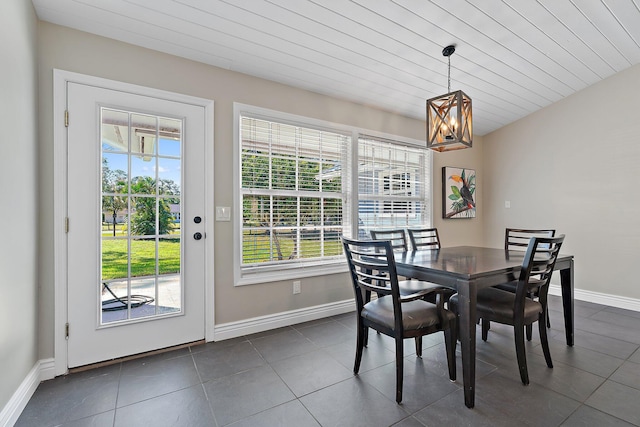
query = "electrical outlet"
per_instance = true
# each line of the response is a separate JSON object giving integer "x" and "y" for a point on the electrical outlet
{"x": 296, "y": 287}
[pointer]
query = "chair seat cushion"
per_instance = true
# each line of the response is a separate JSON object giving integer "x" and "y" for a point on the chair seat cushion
{"x": 498, "y": 305}
{"x": 513, "y": 286}
{"x": 510, "y": 286}
{"x": 416, "y": 314}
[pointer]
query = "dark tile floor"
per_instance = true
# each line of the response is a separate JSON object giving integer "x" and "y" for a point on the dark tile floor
{"x": 301, "y": 376}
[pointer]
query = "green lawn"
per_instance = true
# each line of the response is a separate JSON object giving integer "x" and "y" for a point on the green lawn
{"x": 256, "y": 248}
{"x": 143, "y": 254}
{"x": 143, "y": 258}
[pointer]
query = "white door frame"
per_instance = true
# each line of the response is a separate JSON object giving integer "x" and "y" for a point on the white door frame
{"x": 60, "y": 79}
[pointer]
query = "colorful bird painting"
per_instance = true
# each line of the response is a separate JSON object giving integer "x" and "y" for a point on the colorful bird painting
{"x": 462, "y": 184}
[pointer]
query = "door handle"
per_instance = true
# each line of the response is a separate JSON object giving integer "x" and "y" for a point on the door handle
{"x": 197, "y": 236}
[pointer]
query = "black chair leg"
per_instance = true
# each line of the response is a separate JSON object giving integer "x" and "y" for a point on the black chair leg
{"x": 485, "y": 329}
{"x": 419, "y": 346}
{"x": 365, "y": 342}
{"x": 518, "y": 332}
{"x": 530, "y": 327}
{"x": 360, "y": 342}
{"x": 545, "y": 342}
{"x": 379, "y": 296}
{"x": 450, "y": 341}
{"x": 548, "y": 318}
{"x": 399, "y": 368}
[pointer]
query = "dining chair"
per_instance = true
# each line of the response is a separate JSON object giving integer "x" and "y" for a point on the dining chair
{"x": 518, "y": 309}
{"x": 517, "y": 239}
{"x": 424, "y": 238}
{"x": 372, "y": 268}
{"x": 398, "y": 240}
{"x": 397, "y": 237}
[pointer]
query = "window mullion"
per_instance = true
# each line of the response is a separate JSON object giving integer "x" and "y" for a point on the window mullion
{"x": 298, "y": 246}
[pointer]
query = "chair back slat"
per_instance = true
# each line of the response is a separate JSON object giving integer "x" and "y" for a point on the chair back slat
{"x": 372, "y": 276}
{"x": 537, "y": 267}
{"x": 373, "y": 269}
{"x": 424, "y": 238}
{"x": 397, "y": 238}
{"x": 517, "y": 239}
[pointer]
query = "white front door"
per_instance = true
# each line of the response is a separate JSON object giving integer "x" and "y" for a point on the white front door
{"x": 136, "y": 203}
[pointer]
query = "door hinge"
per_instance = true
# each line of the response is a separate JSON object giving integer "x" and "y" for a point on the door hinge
{"x": 66, "y": 118}
{"x": 66, "y": 330}
{"x": 66, "y": 224}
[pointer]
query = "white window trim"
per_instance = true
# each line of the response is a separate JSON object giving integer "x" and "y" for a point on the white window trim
{"x": 301, "y": 269}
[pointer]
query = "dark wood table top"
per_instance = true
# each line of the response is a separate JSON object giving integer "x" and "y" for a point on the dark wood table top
{"x": 464, "y": 262}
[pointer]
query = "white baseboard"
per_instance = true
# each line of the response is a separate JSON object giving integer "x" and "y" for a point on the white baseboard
{"x": 42, "y": 370}
{"x": 600, "y": 298}
{"x": 264, "y": 323}
{"x": 47, "y": 369}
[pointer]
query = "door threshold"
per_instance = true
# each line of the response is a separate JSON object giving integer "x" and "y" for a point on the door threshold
{"x": 133, "y": 357}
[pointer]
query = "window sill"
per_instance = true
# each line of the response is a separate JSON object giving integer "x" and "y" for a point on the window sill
{"x": 297, "y": 272}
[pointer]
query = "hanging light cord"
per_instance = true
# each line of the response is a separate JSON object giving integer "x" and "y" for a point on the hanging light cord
{"x": 448, "y": 51}
{"x": 449, "y": 75}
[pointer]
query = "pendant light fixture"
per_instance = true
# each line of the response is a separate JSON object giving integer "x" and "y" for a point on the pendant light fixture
{"x": 449, "y": 117}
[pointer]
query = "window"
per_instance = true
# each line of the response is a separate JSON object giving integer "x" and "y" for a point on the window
{"x": 292, "y": 193}
{"x": 393, "y": 185}
{"x": 298, "y": 192}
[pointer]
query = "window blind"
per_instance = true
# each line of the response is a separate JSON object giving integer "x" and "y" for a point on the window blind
{"x": 393, "y": 185}
{"x": 293, "y": 196}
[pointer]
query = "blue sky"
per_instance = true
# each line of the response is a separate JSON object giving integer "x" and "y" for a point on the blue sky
{"x": 168, "y": 168}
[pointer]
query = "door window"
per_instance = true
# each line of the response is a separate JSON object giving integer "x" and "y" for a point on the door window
{"x": 140, "y": 215}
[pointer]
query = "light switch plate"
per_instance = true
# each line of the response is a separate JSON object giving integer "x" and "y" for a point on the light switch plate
{"x": 223, "y": 213}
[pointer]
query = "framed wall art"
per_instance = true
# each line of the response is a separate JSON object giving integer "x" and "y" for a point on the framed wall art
{"x": 458, "y": 192}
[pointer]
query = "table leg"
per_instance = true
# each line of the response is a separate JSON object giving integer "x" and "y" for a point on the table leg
{"x": 467, "y": 298}
{"x": 566, "y": 284}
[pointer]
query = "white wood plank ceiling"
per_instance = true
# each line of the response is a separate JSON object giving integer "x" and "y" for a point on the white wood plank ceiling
{"x": 512, "y": 57}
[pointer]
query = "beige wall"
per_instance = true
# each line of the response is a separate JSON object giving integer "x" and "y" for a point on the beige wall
{"x": 574, "y": 166}
{"x": 18, "y": 192}
{"x": 459, "y": 232}
{"x": 71, "y": 50}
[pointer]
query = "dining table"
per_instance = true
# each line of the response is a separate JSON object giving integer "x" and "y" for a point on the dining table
{"x": 468, "y": 269}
